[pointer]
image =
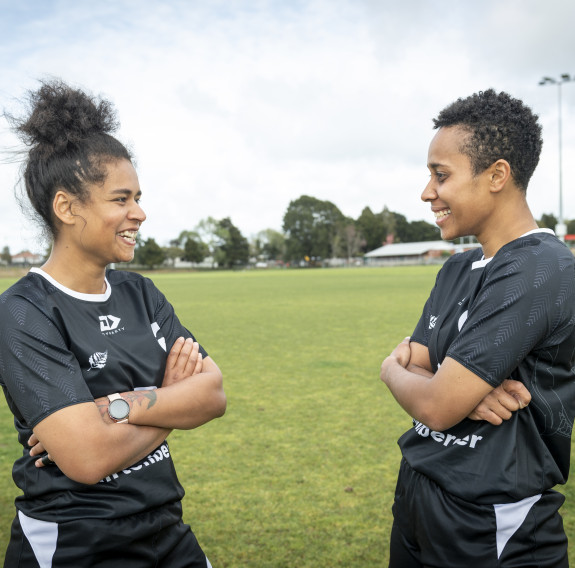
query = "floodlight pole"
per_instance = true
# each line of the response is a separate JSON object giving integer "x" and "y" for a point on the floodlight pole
{"x": 561, "y": 228}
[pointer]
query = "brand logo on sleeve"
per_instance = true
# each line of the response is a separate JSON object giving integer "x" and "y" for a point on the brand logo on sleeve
{"x": 432, "y": 321}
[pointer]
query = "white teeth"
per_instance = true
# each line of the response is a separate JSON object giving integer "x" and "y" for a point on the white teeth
{"x": 128, "y": 234}
{"x": 442, "y": 213}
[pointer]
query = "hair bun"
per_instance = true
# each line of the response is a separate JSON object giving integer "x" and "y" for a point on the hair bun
{"x": 61, "y": 116}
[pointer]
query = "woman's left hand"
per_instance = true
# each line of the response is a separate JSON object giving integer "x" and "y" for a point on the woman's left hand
{"x": 37, "y": 449}
{"x": 401, "y": 355}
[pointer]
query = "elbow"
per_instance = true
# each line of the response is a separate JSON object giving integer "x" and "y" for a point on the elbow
{"x": 222, "y": 406}
{"x": 218, "y": 399}
{"x": 435, "y": 419}
{"x": 218, "y": 404}
{"x": 87, "y": 475}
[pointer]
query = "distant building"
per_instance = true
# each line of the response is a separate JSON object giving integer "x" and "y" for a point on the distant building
{"x": 27, "y": 258}
{"x": 424, "y": 252}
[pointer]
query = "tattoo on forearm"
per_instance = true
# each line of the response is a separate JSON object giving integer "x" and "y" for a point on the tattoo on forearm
{"x": 152, "y": 397}
{"x": 139, "y": 397}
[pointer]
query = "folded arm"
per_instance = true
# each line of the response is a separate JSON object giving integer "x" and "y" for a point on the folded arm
{"x": 442, "y": 399}
{"x": 87, "y": 445}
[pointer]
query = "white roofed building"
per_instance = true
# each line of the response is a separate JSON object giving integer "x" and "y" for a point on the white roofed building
{"x": 424, "y": 252}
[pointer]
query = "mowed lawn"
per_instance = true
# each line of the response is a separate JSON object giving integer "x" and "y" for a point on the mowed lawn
{"x": 300, "y": 472}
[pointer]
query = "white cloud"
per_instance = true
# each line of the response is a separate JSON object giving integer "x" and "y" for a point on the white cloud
{"x": 236, "y": 108}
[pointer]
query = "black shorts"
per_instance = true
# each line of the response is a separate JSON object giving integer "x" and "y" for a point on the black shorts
{"x": 434, "y": 529}
{"x": 146, "y": 540}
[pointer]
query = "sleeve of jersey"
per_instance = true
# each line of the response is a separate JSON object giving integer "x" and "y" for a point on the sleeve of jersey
{"x": 521, "y": 306}
{"x": 169, "y": 325}
{"x": 425, "y": 324}
{"x": 37, "y": 369}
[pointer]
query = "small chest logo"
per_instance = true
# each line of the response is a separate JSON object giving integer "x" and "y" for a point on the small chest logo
{"x": 109, "y": 323}
{"x": 432, "y": 321}
{"x": 98, "y": 360}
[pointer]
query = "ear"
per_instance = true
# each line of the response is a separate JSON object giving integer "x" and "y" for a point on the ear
{"x": 499, "y": 175}
{"x": 62, "y": 206}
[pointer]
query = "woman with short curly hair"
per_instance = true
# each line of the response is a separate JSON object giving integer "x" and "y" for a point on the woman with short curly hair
{"x": 487, "y": 375}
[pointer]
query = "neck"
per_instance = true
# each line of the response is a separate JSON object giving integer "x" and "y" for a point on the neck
{"x": 78, "y": 274}
{"x": 513, "y": 220}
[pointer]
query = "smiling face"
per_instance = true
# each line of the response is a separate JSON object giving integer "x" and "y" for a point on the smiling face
{"x": 111, "y": 218}
{"x": 460, "y": 201}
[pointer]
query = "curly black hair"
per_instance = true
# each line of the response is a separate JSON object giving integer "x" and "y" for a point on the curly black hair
{"x": 500, "y": 127}
{"x": 68, "y": 135}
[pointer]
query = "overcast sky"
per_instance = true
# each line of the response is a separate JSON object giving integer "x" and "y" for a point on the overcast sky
{"x": 235, "y": 108}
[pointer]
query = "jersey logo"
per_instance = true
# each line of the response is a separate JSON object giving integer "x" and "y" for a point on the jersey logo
{"x": 108, "y": 323}
{"x": 432, "y": 321}
{"x": 98, "y": 360}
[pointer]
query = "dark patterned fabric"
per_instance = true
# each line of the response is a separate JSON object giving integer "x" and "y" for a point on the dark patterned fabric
{"x": 512, "y": 316}
{"x": 59, "y": 348}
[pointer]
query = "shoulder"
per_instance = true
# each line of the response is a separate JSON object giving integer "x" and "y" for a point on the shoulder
{"x": 460, "y": 262}
{"x": 541, "y": 254}
{"x": 124, "y": 278}
{"x": 125, "y": 282}
{"x": 31, "y": 289}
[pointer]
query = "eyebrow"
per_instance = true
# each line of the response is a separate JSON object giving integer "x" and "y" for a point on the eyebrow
{"x": 126, "y": 192}
{"x": 435, "y": 165}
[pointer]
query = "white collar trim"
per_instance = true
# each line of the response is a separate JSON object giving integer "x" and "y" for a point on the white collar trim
{"x": 484, "y": 261}
{"x": 78, "y": 295}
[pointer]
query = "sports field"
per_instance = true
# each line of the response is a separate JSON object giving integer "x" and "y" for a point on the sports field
{"x": 300, "y": 472}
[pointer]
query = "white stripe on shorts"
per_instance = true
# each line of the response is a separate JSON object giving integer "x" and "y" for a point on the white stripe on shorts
{"x": 42, "y": 536}
{"x": 510, "y": 517}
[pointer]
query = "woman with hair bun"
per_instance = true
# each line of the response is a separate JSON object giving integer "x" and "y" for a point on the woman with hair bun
{"x": 95, "y": 365}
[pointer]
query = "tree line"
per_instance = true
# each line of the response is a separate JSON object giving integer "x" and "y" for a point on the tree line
{"x": 313, "y": 230}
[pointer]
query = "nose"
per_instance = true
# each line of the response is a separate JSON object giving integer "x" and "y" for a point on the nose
{"x": 137, "y": 213}
{"x": 429, "y": 193}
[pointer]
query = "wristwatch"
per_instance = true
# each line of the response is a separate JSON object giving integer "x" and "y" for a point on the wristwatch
{"x": 118, "y": 409}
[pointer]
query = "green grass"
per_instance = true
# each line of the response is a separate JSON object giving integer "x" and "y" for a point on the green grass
{"x": 300, "y": 472}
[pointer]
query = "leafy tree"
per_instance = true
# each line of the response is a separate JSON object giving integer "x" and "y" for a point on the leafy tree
{"x": 311, "y": 226}
{"x": 548, "y": 220}
{"x": 423, "y": 231}
{"x": 571, "y": 227}
{"x": 181, "y": 239}
{"x": 269, "y": 244}
{"x": 350, "y": 240}
{"x": 372, "y": 229}
{"x": 150, "y": 254}
{"x": 406, "y": 232}
{"x": 235, "y": 247}
{"x": 195, "y": 250}
{"x": 213, "y": 235}
{"x": 5, "y": 255}
{"x": 173, "y": 252}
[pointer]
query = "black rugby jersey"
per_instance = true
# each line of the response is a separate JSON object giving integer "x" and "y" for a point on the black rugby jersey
{"x": 512, "y": 316}
{"x": 58, "y": 348}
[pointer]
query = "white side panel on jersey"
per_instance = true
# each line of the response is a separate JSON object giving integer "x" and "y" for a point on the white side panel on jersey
{"x": 161, "y": 340}
{"x": 208, "y": 565}
{"x": 42, "y": 536}
{"x": 510, "y": 517}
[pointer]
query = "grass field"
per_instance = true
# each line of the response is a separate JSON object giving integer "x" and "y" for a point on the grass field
{"x": 300, "y": 472}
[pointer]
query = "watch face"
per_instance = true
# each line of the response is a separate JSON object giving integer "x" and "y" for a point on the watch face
{"x": 119, "y": 409}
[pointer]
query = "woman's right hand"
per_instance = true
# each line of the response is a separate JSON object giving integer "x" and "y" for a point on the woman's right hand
{"x": 501, "y": 402}
{"x": 184, "y": 360}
